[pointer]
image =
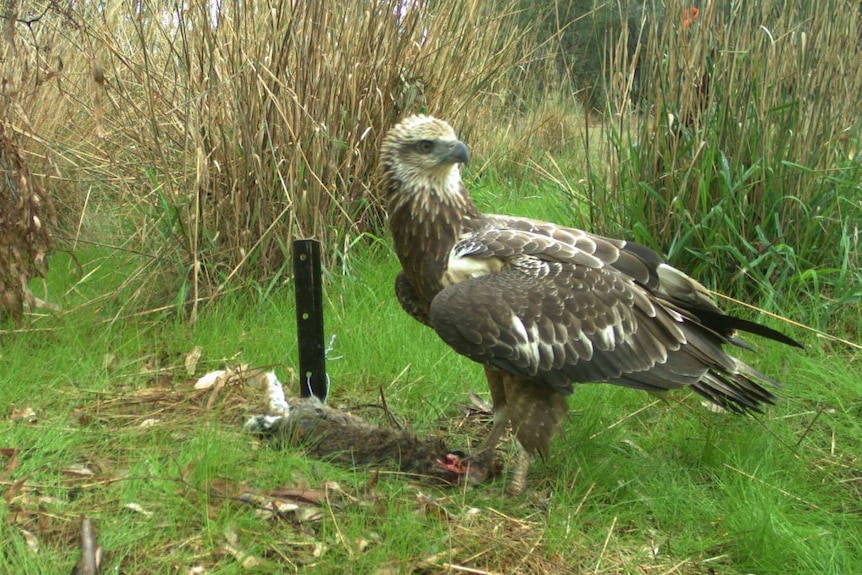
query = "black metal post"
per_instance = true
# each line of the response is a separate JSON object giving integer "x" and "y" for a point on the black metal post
{"x": 309, "y": 319}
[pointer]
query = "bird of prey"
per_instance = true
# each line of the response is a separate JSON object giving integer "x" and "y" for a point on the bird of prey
{"x": 543, "y": 306}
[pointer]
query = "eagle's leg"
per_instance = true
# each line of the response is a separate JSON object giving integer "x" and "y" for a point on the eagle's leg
{"x": 519, "y": 473}
{"x": 537, "y": 413}
{"x": 482, "y": 459}
{"x": 498, "y": 400}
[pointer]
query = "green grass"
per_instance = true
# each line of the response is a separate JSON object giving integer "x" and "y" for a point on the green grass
{"x": 634, "y": 486}
{"x": 98, "y": 417}
{"x": 709, "y": 162}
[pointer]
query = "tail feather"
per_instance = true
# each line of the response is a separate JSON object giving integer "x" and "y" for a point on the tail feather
{"x": 727, "y": 324}
{"x": 740, "y": 391}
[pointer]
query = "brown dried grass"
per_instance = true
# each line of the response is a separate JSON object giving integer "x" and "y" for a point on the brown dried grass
{"x": 211, "y": 135}
{"x": 734, "y": 148}
{"x": 770, "y": 85}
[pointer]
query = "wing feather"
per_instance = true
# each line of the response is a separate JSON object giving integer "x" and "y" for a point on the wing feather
{"x": 567, "y": 306}
{"x": 542, "y": 329}
{"x": 639, "y": 263}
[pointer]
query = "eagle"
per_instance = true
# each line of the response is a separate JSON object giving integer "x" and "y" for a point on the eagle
{"x": 544, "y": 307}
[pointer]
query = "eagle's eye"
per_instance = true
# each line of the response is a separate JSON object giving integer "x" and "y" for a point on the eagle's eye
{"x": 425, "y": 146}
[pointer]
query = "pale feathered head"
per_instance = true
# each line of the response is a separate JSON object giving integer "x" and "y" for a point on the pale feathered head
{"x": 423, "y": 152}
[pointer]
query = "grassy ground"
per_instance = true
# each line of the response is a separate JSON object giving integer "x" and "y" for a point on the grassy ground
{"x": 101, "y": 419}
{"x": 197, "y": 143}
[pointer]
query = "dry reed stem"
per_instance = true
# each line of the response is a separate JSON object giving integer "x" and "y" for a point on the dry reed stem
{"x": 228, "y": 129}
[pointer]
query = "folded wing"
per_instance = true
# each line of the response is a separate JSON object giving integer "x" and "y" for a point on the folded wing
{"x": 559, "y": 306}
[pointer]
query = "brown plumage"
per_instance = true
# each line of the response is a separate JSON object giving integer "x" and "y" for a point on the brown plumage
{"x": 543, "y": 306}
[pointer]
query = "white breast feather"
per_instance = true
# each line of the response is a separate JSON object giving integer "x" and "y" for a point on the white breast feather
{"x": 462, "y": 268}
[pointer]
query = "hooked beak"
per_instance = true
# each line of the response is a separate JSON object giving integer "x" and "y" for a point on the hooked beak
{"x": 456, "y": 153}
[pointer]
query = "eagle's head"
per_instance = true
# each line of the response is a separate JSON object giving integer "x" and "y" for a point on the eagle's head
{"x": 422, "y": 153}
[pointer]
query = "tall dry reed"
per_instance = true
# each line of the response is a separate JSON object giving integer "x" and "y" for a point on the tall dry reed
{"x": 210, "y": 134}
{"x": 735, "y": 145}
